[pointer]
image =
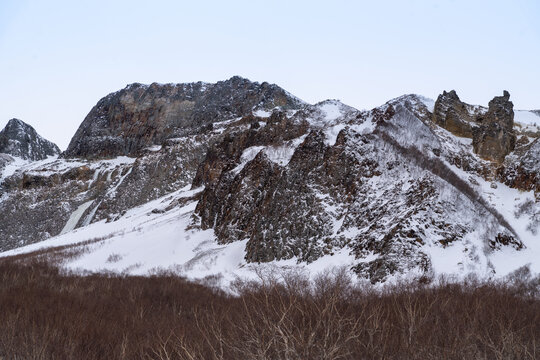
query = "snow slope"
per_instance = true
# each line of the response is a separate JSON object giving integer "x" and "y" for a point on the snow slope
{"x": 154, "y": 237}
{"x": 158, "y": 236}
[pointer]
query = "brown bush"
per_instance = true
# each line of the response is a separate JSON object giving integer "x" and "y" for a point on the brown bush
{"x": 48, "y": 314}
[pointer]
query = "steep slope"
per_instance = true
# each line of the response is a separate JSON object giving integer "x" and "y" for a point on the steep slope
{"x": 21, "y": 140}
{"x": 384, "y": 192}
{"x": 382, "y": 189}
{"x": 139, "y": 116}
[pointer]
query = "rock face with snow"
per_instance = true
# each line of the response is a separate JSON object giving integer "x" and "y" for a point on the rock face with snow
{"x": 492, "y": 130}
{"x": 356, "y": 191}
{"x": 495, "y": 138}
{"x": 453, "y": 114}
{"x": 139, "y": 116}
{"x": 22, "y": 140}
{"x": 412, "y": 185}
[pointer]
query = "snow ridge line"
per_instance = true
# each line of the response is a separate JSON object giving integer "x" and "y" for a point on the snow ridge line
{"x": 438, "y": 168}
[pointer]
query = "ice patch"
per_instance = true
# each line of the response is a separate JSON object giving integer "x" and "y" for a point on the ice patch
{"x": 75, "y": 217}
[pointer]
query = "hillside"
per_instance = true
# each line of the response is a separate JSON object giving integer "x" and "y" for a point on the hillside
{"x": 219, "y": 179}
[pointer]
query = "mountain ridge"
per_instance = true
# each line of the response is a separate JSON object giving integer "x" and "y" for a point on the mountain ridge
{"x": 391, "y": 189}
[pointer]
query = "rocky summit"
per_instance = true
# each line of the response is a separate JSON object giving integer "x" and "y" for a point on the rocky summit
{"x": 127, "y": 121}
{"x": 213, "y": 179}
{"x": 21, "y": 140}
{"x": 491, "y": 129}
{"x": 494, "y": 138}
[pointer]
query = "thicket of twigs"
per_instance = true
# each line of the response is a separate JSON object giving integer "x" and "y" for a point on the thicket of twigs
{"x": 47, "y": 314}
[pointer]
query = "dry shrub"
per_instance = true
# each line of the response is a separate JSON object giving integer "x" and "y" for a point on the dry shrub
{"x": 48, "y": 314}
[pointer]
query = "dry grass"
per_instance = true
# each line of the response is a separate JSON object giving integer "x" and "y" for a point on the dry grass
{"x": 47, "y": 314}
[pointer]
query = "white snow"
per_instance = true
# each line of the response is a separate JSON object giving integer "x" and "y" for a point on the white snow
{"x": 528, "y": 120}
{"x": 331, "y": 133}
{"x": 15, "y": 164}
{"x": 247, "y": 155}
{"x": 280, "y": 155}
{"x": 505, "y": 200}
{"x": 154, "y": 148}
{"x": 262, "y": 113}
{"x": 142, "y": 242}
{"x": 429, "y": 103}
{"x": 331, "y": 110}
{"x": 54, "y": 165}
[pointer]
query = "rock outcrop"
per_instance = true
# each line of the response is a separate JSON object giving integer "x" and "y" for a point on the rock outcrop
{"x": 22, "y": 140}
{"x": 453, "y": 114}
{"x": 491, "y": 129}
{"x": 139, "y": 116}
{"x": 494, "y": 138}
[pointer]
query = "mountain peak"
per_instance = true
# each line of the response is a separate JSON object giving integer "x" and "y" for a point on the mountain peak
{"x": 22, "y": 140}
{"x": 16, "y": 122}
{"x": 139, "y": 116}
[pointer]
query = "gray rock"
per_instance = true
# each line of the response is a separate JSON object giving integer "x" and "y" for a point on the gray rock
{"x": 495, "y": 137}
{"x": 22, "y": 140}
{"x": 453, "y": 114}
{"x": 127, "y": 121}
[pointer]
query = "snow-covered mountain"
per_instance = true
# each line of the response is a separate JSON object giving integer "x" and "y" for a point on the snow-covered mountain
{"x": 20, "y": 144}
{"x": 21, "y": 140}
{"x": 212, "y": 179}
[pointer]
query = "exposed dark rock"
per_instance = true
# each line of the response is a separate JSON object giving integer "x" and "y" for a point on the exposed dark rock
{"x": 226, "y": 154}
{"x": 276, "y": 208}
{"x": 523, "y": 171}
{"x": 453, "y": 114}
{"x": 127, "y": 121}
{"x": 283, "y": 211}
{"x": 505, "y": 240}
{"x": 495, "y": 137}
{"x": 22, "y": 140}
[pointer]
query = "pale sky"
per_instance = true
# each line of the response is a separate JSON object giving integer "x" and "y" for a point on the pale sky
{"x": 58, "y": 58}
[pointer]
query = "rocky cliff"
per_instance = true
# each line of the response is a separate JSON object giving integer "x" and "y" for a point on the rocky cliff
{"x": 491, "y": 129}
{"x": 139, "y": 116}
{"x": 494, "y": 138}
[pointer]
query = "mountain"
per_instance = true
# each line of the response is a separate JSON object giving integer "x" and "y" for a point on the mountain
{"x": 21, "y": 140}
{"x": 127, "y": 121}
{"x": 212, "y": 179}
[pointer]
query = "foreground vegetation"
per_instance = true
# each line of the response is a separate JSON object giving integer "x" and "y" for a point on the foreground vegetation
{"x": 47, "y": 314}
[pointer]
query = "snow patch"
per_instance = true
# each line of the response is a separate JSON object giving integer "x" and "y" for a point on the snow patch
{"x": 262, "y": 113}
{"x": 527, "y": 120}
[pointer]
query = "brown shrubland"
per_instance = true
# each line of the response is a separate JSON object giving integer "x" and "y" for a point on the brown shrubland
{"x": 46, "y": 313}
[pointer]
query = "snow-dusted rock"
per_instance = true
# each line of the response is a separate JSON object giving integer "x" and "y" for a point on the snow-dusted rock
{"x": 21, "y": 140}
{"x": 139, "y": 116}
{"x": 384, "y": 192}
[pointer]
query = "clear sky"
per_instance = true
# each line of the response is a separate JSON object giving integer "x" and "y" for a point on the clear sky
{"x": 58, "y": 58}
